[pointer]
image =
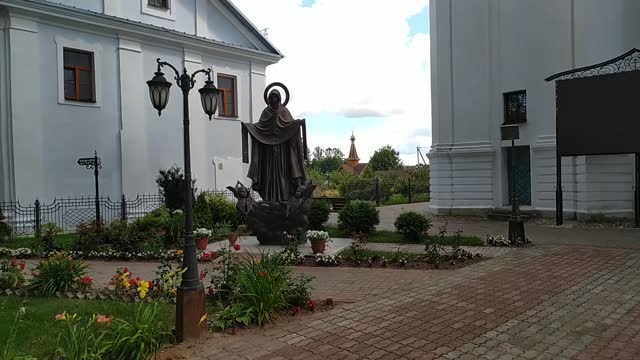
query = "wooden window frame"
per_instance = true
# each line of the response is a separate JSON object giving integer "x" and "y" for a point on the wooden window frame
{"x": 76, "y": 76}
{"x": 519, "y": 119}
{"x": 153, "y": 4}
{"x": 222, "y": 111}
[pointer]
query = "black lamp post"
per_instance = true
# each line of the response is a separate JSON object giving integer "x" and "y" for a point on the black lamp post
{"x": 190, "y": 299}
{"x": 516, "y": 225}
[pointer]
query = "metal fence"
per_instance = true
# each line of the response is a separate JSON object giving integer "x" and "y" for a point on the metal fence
{"x": 68, "y": 213}
{"x": 385, "y": 191}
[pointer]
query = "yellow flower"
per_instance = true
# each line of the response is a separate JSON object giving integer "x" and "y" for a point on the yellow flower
{"x": 203, "y": 318}
{"x": 179, "y": 252}
{"x": 143, "y": 288}
{"x": 173, "y": 291}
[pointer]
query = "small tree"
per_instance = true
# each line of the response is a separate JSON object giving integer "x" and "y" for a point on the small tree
{"x": 172, "y": 186}
{"x": 384, "y": 159}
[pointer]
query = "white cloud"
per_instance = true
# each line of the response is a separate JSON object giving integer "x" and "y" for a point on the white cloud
{"x": 355, "y": 58}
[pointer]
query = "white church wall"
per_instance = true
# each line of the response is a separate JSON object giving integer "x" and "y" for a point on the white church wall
{"x": 484, "y": 48}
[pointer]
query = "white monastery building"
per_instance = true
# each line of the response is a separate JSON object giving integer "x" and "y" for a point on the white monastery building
{"x": 489, "y": 60}
{"x": 73, "y": 81}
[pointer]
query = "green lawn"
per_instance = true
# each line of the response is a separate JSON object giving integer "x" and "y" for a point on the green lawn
{"x": 392, "y": 237}
{"x": 65, "y": 241}
{"x": 37, "y": 331}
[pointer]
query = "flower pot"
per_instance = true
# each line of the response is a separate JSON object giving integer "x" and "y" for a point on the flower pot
{"x": 317, "y": 246}
{"x": 232, "y": 238}
{"x": 201, "y": 243}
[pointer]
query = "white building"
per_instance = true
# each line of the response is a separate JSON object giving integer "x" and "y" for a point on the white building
{"x": 73, "y": 80}
{"x": 489, "y": 54}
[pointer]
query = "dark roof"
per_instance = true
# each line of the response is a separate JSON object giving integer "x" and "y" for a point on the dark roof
{"x": 357, "y": 170}
{"x": 47, "y": 5}
{"x": 353, "y": 153}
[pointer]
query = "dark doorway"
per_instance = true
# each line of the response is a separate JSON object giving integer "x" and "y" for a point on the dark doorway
{"x": 522, "y": 174}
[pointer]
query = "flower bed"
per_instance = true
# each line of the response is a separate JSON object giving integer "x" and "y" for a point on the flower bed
{"x": 109, "y": 254}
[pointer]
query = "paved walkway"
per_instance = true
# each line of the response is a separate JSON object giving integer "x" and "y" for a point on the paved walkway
{"x": 548, "y": 302}
{"x": 541, "y": 233}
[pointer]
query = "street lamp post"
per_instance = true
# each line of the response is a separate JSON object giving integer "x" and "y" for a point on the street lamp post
{"x": 190, "y": 298}
{"x": 96, "y": 164}
{"x": 516, "y": 225}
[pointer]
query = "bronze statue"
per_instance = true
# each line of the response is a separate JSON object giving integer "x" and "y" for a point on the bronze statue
{"x": 278, "y": 151}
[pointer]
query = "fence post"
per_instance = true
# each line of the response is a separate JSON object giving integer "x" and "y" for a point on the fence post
{"x": 37, "y": 218}
{"x": 409, "y": 180}
{"x": 377, "y": 191}
{"x": 123, "y": 208}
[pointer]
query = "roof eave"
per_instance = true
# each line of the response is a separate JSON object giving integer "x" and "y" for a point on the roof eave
{"x": 137, "y": 28}
{"x": 254, "y": 29}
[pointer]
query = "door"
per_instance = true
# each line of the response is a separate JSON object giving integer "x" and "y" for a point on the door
{"x": 522, "y": 174}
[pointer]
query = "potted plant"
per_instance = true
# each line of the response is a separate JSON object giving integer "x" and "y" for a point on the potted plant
{"x": 202, "y": 238}
{"x": 318, "y": 240}
{"x": 233, "y": 235}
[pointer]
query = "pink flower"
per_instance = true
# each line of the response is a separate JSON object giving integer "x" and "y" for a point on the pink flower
{"x": 87, "y": 280}
{"x": 102, "y": 319}
{"x": 14, "y": 261}
{"x": 311, "y": 305}
{"x": 22, "y": 265}
{"x": 236, "y": 247}
{"x": 206, "y": 256}
{"x": 203, "y": 274}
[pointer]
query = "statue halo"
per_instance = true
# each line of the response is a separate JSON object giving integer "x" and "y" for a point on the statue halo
{"x": 280, "y": 85}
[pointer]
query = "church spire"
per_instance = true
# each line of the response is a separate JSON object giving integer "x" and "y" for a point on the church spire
{"x": 353, "y": 158}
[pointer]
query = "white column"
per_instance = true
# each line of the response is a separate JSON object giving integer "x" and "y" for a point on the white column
{"x": 6, "y": 147}
{"x": 134, "y": 97}
{"x": 25, "y": 116}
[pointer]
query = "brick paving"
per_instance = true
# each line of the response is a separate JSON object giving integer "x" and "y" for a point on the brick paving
{"x": 547, "y": 302}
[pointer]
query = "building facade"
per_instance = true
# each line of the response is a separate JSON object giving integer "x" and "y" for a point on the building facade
{"x": 489, "y": 60}
{"x": 73, "y": 81}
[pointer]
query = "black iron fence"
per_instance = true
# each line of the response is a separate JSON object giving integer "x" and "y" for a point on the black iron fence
{"x": 68, "y": 213}
{"x": 386, "y": 191}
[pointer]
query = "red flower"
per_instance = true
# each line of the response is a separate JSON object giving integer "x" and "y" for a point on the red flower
{"x": 311, "y": 305}
{"x": 133, "y": 282}
{"x": 262, "y": 274}
{"x": 236, "y": 247}
{"x": 138, "y": 278}
{"x": 22, "y": 265}
{"x": 87, "y": 280}
{"x": 214, "y": 255}
{"x": 150, "y": 284}
{"x": 202, "y": 275}
{"x": 125, "y": 270}
{"x": 295, "y": 310}
{"x": 14, "y": 261}
{"x": 206, "y": 256}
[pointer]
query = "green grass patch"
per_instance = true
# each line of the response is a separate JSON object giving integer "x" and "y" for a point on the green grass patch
{"x": 37, "y": 331}
{"x": 65, "y": 241}
{"x": 392, "y": 237}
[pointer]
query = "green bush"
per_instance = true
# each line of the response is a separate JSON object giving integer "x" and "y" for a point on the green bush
{"x": 116, "y": 234}
{"x": 60, "y": 273}
{"x": 173, "y": 186}
{"x": 139, "y": 339}
{"x": 5, "y": 227}
{"x": 89, "y": 236}
{"x": 11, "y": 276}
{"x": 211, "y": 210}
{"x": 298, "y": 291}
{"x": 396, "y": 199}
{"x": 359, "y": 216}
{"x": 319, "y": 214}
{"x": 49, "y": 233}
{"x": 413, "y": 226}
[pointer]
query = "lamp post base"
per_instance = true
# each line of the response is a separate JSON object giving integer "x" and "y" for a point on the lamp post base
{"x": 516, "y": 231}
{"x": 190, "y": 308}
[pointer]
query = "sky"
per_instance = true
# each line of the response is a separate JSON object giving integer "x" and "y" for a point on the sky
{"x": 353, "y": 65}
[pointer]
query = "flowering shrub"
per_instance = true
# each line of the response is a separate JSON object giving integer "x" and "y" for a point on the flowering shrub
{"x": 202, "y": 233}
{"x": 167, "y": 280}
{"x": 61, "y": 273}
{"x": 298, "y": 291}
{"x": 358, "y": 246}
{"x": 20, "y": 253}
{"x": 291, "y": 252}
{"x": 124, "y": 283}
{"x": 103, "y": 337}
{"x": 328, "y": 260}
{"x": 501, "y": 240}
{"x": 11, "y": 274}
{"x": 317, "y": 235}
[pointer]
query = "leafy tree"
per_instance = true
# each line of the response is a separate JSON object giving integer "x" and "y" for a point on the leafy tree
{"x": 327, "y": 160}
{"x": 384, "y": 159}
{"x": 172, "y": 186}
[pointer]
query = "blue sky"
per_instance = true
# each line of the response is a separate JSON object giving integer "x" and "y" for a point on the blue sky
{"x": 353, "y": 70}
{"x": 341, "y": 126}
